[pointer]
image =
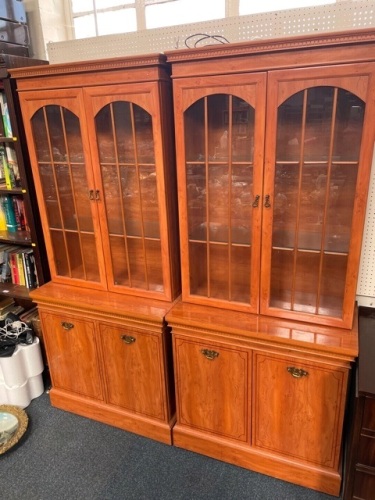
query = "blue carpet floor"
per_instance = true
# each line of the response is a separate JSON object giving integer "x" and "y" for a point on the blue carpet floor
{"x": 67, "y": 457}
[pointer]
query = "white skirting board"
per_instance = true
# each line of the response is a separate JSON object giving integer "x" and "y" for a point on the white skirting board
{"x": 21, "y": 375}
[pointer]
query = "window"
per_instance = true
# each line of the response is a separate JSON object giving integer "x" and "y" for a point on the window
{"x": 251, "y": 7}
{"x": 103, "y": 17}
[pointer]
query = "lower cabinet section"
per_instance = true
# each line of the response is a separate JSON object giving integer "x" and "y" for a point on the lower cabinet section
{"x": 265, "y": 394}
{"x": 109, "y": 358}
{"x": 260, "y": 400}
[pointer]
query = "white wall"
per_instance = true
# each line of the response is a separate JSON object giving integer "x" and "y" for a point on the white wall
{"x": 47, "y": 23}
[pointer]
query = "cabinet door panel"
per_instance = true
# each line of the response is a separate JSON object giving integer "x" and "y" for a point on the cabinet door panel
{"x": 72, "y": 354}
{"x": 133, "y": 362}
{"x": 220, "y": 152}
{"x": 299, "y": 408}
{"x": 63, "y": 176}
{"x": 127, "y": 145}
{"x": 316, "y": 169}
{"x": 212, "y": 388}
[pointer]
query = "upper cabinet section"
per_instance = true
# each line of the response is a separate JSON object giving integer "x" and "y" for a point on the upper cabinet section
{"x": 273, "y": 172}
{"x": 103, "y": 163}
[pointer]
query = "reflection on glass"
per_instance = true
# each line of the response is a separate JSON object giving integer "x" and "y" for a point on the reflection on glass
{"x": 219, "y": 147}
{"x": 127, "y": 160}
{"x": 318, "y": 142}
{"x": 59, "y": 150}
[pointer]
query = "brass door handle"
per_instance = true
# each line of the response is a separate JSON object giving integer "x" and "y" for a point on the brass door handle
{"x": 128, "y": 339}
{"x": 267, "y": 203}
{"x": 67, "y": 326}
{"x": 297, "y": 372}
{"x": 256, "y": 201}
{"x": 211, "y": 355}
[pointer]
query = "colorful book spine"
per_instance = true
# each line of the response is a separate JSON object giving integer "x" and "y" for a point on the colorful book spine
{"x": 3, "y": 222}
{"x": 30, "y": 269}
{"x": 10, "y": 181}
{"x": 12, "y": 163}
{"x": 20, "y": 267}
{"x": 5, "y": 115}
{"x": 9, "y": 214}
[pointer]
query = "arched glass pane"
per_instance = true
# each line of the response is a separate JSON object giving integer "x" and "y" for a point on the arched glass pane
{"x": 317, "y": 158}
{"x": 219, "y": 144}
{"x": 127, "y": 161}
{"x": 59, "y": 151}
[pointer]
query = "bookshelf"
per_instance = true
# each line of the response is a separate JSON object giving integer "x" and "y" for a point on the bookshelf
{"x": 23, "y": 262}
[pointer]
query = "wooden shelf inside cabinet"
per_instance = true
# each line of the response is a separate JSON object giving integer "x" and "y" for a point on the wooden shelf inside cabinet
{"x": 20, "y": 198}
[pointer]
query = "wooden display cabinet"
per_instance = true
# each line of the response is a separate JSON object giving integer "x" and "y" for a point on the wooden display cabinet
{"x": 274, "y": 142}
{"x": 100, "y": 140}
{"x": 274, "y": 159}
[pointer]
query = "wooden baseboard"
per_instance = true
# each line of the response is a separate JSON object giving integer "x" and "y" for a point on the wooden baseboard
{"x": 96, "y": 410}
{"x": 242, "y": 455}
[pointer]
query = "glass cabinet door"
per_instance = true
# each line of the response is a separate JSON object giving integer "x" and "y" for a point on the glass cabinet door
{"x": 312, "y": 194}
{"x": 59, "y": 165}
{"x": 129, "y": 184}
{"x": 223, "y": 138}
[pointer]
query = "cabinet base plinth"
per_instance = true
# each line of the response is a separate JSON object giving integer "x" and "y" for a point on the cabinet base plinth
{"x": 316, "y": 478}
{"x": 117, "y": 417}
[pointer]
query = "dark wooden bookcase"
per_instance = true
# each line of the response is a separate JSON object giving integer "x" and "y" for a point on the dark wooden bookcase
{"x": 33, "y": 237}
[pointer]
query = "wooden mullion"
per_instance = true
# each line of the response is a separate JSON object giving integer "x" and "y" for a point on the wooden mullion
{"x": 139, "y": 195}
{"x": 326, "y": 201}
{"x": 122, "y": 207}
{"x": 206, "y": 159}
{"x": 297, "y": 226}
{"x": 73, "y": 191}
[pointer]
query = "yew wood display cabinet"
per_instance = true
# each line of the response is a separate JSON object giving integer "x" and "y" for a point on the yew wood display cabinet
{"x": 274, "y": 142}
{"x": 100, "y": 137}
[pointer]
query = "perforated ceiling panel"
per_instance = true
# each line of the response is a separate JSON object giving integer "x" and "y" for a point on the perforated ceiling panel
{"x": 341, "y": 16}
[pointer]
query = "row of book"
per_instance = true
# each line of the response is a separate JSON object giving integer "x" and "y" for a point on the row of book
{"x": 12, "y": 213}
{"x": 9, "y": 171}
{"x": 17, "y": 266}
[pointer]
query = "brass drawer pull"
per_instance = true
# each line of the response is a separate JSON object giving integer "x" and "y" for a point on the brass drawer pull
{"x": 67, "y": 326}
{"x": 211, "y": 355}
{"x": 297, "y": 372}
{"x": 128, "y": 339}
{"x": 267, "y": 203}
